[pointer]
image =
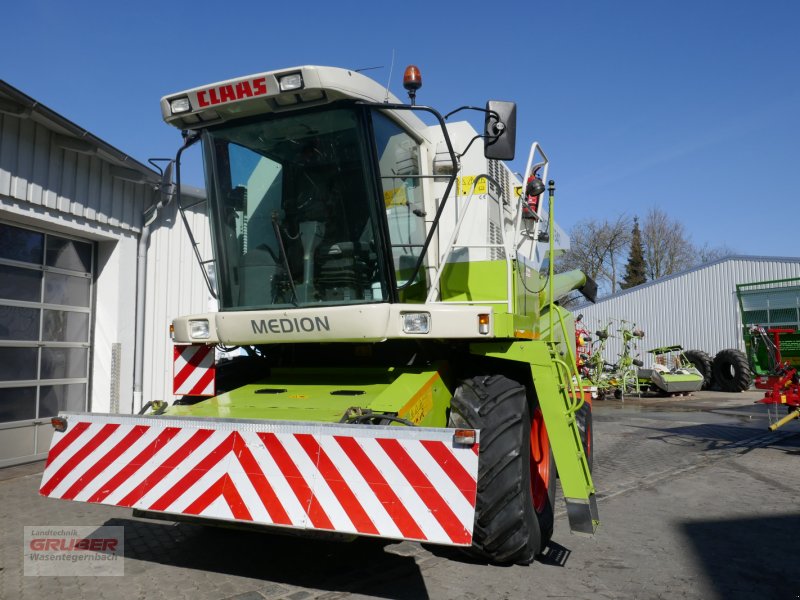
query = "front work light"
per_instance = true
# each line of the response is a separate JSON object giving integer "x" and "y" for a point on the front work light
{"x": 199, "y": 329}
{"x": 291, "y": 82}
{"x": 180, "y": 105}
{"x": 416, "y": 322}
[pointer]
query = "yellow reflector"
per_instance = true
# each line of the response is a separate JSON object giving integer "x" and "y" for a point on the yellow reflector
{"x": 483, "y": 324}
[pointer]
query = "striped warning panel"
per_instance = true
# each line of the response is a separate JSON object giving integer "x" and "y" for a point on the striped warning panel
{"x": 194, "y": 372}
{"x": 394, "y": 482}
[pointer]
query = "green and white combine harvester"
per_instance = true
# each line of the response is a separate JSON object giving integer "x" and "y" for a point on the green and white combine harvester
{"x": 406, "y": 370}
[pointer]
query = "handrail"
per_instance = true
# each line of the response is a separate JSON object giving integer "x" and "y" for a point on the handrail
{"x": 529, "y": 168}
{"x": 572, "y": 408}
{"x": 571, "y": 368}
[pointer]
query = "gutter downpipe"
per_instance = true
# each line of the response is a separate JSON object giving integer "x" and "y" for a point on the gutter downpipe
{"x": 150, "y": 215}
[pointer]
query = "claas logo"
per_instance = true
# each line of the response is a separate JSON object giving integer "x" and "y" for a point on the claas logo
{"x": 232, "y": 91}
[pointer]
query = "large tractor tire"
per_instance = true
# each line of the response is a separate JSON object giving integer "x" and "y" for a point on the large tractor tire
{"x": 732, "y": 371}
{"x": 516, "y": 474}
{"x": 584, "y": 420}
{"x": 703, "y": 363}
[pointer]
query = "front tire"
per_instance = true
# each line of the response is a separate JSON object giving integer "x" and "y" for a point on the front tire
{"x": 507, "y": 523}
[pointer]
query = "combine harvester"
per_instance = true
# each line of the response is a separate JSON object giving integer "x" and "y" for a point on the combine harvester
{"x": 408, "y": 372}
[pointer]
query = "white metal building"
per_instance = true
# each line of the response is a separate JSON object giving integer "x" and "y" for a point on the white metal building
{"x": 697, "y": 309}
{"x": 75, "y": 216}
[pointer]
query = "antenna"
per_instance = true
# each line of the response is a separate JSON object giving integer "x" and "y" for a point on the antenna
{"x": 388, "y": 81}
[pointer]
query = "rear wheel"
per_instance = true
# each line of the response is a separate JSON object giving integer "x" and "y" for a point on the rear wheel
{"x": 515, "y": 474}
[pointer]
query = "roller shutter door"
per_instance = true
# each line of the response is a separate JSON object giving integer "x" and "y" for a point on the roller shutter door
{"x": 46, "y": 316}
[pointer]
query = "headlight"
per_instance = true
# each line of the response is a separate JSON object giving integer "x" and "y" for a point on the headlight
{"x": 199, "y": 329}
{"x": 416, "y": 322}
{"x": 291, "y": 82}
{"x": 180, "y": 105}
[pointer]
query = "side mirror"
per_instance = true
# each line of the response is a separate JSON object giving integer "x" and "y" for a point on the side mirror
{"x": 500, "y": 130}
{"x": 165, "y": 188}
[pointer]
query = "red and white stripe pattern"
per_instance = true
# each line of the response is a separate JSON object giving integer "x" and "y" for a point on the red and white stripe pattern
{"x": 393, "y": 482}
{"x": 194, "y": 372}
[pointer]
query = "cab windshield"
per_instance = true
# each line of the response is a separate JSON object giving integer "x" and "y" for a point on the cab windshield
{"x": 296, "y": 220}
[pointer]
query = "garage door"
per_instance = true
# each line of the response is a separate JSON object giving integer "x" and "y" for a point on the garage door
{"x": 45, "y": 328}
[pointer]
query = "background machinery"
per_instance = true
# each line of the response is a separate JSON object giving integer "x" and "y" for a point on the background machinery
{"x": 407, "y": 372}
{"x": 672, "y": 372}
{"x": 773, "y": 373}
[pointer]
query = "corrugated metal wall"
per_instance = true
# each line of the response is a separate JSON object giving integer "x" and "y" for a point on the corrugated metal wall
{"x": 697, "y": 309}
{"x": 175, "y": 287}
{"x": 35, "y": 169}
{"x": 42, "y": 183}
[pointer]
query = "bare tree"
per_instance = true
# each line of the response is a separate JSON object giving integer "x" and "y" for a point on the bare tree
{"x": 599, "y": 249}
{"x": 706, "y": 254}
{"x": 667, "y": 247}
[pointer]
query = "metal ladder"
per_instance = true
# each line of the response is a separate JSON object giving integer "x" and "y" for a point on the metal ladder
{"x": 561, "y": 395}
{"x": 557, "y": 395}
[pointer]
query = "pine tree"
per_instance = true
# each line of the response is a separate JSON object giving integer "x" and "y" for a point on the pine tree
{"x": 635, "y": 269}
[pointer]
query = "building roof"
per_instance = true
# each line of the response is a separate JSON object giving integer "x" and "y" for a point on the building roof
{"x": 19, "y": 104}
{"x": 660, "y": 280}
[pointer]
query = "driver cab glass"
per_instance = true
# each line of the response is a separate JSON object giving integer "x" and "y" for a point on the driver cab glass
{"x": 293, "y": 222}
{"x": 399, "y": 161}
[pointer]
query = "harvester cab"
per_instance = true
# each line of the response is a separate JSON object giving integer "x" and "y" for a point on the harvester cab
{"x": 322, "y": 196}
{"x": 409, "y": 373}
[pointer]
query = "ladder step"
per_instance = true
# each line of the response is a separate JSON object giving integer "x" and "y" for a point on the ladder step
{"x": 582, "y": 514}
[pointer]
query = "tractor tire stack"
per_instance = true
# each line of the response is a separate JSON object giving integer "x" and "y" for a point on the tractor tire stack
{"x": 728, "y": 371}
{"x": 731, "y": 370}
{"x": 703, "y": 363}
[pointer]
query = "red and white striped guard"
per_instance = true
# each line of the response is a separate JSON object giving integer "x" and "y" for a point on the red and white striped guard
{"x": 392, "y": 482}
{"x": 193, "y": 370}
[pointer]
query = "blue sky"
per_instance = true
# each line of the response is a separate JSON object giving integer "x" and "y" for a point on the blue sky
{"x": 688, "y": 106}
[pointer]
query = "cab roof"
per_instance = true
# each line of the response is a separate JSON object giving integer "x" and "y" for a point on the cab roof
{"x": 262, "y": 93}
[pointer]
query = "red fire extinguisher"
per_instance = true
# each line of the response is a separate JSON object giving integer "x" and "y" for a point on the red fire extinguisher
{"x": 534, "y": 188}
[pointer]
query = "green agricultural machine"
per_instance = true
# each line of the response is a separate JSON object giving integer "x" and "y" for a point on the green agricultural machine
{"x": 405, "y": 371}
{"x": 673, "y": 372}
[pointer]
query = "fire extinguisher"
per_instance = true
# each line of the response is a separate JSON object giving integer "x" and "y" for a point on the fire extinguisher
{"x": 534, "y": 188}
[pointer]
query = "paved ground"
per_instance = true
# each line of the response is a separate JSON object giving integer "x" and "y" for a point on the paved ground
{"x": 696, "y": 498}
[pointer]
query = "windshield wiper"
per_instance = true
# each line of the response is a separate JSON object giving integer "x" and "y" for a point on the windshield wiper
{"x": 276, "y": 226}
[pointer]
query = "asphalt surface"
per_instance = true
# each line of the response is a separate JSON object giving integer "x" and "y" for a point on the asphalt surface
{"x": 697, "y": 500}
